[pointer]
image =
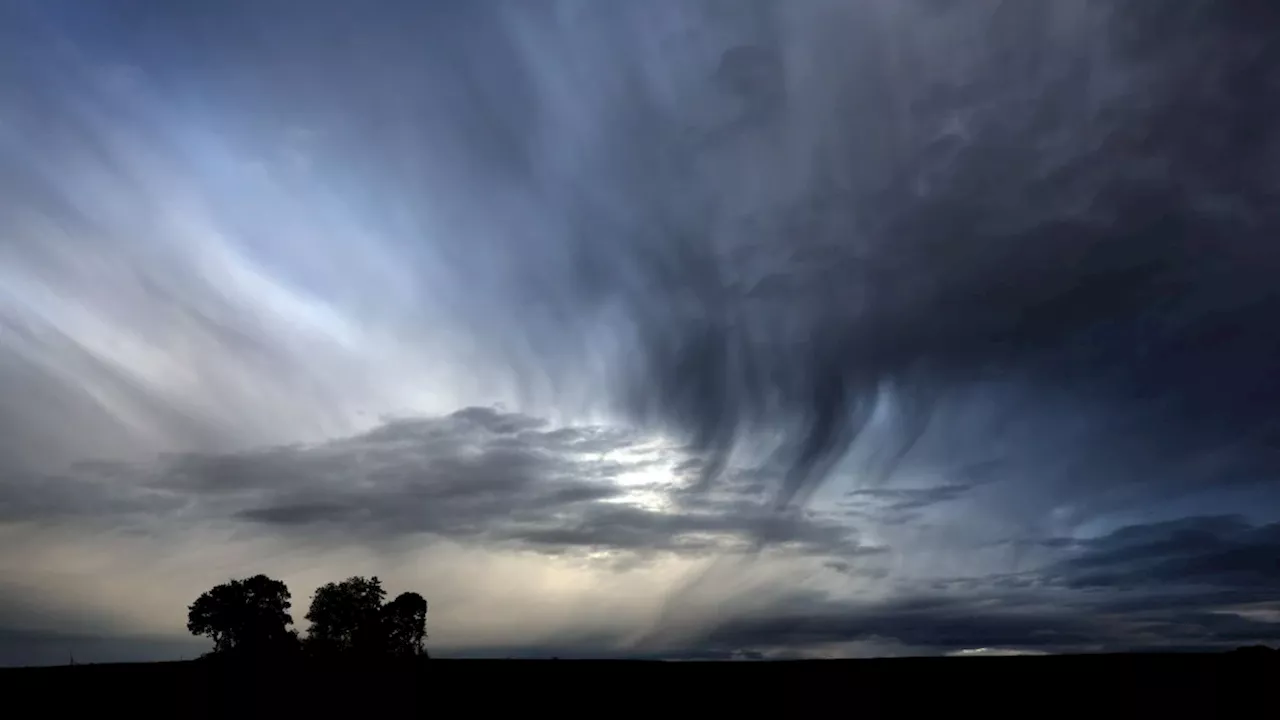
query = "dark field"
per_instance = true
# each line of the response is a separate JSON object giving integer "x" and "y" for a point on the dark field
{"x": 1222, "y": 685}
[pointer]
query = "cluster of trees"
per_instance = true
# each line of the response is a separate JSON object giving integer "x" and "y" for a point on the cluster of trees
{"x": 348, "y": 619}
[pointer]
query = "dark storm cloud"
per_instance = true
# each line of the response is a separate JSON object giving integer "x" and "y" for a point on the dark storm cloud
{"x": 763, "y": 220}
{"x": 461, "y": 476}
{"x": 515, "y": 482}
{"x": 1200, "y": 583}
{"x": 85, "y": 491}
{"x": 1122, "y": 252}
{"x": 1217, "y": 552}
{"x": 940, "y": 626}
{"x": 1075, "y": 200}
{"x": 718, "y": 528}
{"x": 476, "y": 475}
{"x": 900, "y": 501}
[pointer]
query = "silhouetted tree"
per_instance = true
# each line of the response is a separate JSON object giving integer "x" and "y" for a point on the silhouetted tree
{"x": 244, "y": 616}
{"x": 346, "y": 618}
{"x": 405, "y": 624}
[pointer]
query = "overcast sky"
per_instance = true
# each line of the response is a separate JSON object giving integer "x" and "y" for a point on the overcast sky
{"x": 663, "y": 328}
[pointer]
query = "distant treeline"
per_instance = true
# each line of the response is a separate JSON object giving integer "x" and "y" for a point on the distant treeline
{"x": 250, "y": 617}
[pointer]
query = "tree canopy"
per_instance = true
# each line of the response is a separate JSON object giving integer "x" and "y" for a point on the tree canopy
{"x": 405, "y": 621}
{"x": 348, "y": 618}
{"x": 345, "y": 617}
{"x": 250, "y": 615}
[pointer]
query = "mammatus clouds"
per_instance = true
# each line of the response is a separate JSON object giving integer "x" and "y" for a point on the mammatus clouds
{"x": 678, "y": 328}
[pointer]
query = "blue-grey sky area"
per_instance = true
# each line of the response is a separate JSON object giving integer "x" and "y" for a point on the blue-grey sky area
{"x": 661, "y": 328}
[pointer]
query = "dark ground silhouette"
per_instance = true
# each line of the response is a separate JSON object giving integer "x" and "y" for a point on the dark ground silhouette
{"x": 1191, "y": 685}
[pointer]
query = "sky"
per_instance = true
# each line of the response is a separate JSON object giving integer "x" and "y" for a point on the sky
{"x": 688, "y": 329}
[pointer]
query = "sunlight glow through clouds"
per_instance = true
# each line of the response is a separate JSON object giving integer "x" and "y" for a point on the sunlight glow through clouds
{"x": 651, "y": 480}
